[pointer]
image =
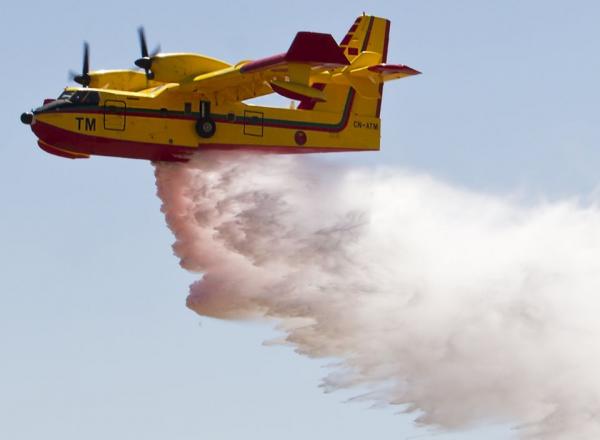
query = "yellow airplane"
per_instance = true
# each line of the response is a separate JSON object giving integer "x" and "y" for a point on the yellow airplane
{"x": 182, "y": 103}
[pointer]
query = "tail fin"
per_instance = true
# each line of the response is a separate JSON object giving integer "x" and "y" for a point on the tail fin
{"x": 367, "y": 34}
{"x": 358, "y": 88}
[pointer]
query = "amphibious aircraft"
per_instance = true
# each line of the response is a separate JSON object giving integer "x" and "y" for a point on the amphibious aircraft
{"x": 181, "y": 103}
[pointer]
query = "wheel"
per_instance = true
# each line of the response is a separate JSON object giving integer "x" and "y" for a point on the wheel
{"x": 206, "y": 127}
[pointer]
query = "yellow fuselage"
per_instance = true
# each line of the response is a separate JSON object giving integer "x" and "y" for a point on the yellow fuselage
{"x": 129, "y": 124}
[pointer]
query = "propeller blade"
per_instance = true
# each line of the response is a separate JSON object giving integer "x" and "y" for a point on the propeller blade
{"x": 145, "y": 62}
{"x": 86, "y": 58}
{"x": 83, "y": 78}
{"x": 143, "y": 44}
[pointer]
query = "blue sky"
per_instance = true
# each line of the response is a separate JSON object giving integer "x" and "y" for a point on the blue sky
{"x": 95, "y": 338}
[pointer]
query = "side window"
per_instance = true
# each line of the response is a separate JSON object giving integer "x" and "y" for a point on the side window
{"x": 92, "y": 98}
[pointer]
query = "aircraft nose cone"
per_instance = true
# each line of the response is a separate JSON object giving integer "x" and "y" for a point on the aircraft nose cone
{"x": 27, "y": 118}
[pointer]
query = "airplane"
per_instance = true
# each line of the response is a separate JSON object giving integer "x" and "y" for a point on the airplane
{"x": 178, "y": 104}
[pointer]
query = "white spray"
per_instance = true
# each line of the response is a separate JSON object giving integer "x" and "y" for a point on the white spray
{"x": 459, "y": 306}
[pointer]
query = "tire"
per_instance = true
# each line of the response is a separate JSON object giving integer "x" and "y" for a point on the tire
{"x": 206, "y": 128}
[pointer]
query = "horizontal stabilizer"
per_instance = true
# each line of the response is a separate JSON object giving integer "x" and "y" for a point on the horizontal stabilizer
{"x": 365, "y": 74}
{"x": 393, "y": 71}
{"x": 365, "y": 59}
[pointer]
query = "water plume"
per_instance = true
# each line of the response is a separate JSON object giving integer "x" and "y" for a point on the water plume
{"x": 460, "y": 307}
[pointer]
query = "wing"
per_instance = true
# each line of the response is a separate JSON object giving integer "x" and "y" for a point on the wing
{"x": 167, "y": 68}
{"x": 312, "y": 58}
{"x": 125, "y": 80}
{"x": 181, "y": 67}
{"x": 288, "y": 74}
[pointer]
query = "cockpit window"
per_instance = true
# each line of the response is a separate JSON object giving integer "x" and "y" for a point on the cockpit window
{"x": 66, "y": 94}
{"x": 85, "y": 97}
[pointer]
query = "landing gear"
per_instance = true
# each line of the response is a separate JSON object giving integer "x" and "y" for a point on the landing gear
{"x": 205, "y": 126}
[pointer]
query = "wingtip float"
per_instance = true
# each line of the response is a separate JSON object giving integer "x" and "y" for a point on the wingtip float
{"x": 182, "y": 103}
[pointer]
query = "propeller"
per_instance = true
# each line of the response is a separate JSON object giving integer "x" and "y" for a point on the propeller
{"x": 145, "y": 62}
{"x": 84, "y": 77}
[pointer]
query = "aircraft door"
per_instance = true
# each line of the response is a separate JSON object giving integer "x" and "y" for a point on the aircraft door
{"x": 114, "y": 115}
{"x": 253, "y": 123}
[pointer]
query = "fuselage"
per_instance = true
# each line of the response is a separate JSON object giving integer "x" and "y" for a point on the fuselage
{"x": 161, "y": 126}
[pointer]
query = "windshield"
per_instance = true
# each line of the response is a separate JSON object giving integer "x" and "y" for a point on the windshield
{"x": 80, "y": 97}
{"x": 85, "y": 97}
{"x": 66, "y": 94}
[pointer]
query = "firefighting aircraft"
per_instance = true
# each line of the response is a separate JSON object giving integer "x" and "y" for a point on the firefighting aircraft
{"x": 181, "y": 103}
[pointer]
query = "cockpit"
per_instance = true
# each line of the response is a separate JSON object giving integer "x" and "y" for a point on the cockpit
{"x": 80, "y": 97}
{"x": 66, "y": 94}
{"x": 70, "y": 98}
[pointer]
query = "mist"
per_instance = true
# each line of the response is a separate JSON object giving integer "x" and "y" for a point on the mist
{"x": 459, "y": 307}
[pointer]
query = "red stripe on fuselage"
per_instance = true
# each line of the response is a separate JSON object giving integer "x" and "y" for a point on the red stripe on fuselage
{"x": 96, "y": 145}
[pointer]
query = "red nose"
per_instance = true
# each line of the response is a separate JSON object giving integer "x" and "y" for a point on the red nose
{"x": 48, "y": 100}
